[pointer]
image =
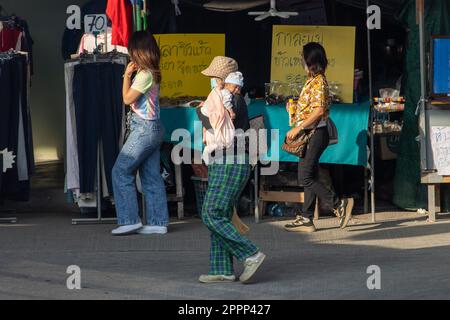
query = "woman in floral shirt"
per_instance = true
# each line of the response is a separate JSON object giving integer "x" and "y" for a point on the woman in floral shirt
{"x": 312, "y": 112}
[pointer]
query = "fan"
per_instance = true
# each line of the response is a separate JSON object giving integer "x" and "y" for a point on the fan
{"x": 273, "y": 12}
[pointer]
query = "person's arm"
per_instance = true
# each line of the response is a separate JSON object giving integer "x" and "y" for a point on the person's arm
{"x": 312, "y": 119}
{"x": 129, "y": 94}
{"x": 227, "y": 99}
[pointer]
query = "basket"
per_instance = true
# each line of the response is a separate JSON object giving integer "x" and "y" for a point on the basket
{"x": 200, "y": 188}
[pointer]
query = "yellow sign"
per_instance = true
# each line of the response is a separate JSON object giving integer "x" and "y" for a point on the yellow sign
{"x": 183, "y": 57}
{"x": 339, "y": 43}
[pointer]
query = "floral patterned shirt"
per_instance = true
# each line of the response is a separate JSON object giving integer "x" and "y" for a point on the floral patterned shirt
{"x": 315, "y": 94}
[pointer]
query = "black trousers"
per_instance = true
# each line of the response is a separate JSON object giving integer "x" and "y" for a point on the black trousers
{"x": 10, "y": 87}
{"x": 308, "y": 175}
{"x": 26, "y": 115}
{"x": 97, "y": 92}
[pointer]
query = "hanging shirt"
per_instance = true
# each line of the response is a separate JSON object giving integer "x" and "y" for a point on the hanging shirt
{"x": 147, "y": 106}
{"x": 88, "y": 43}
{"x": 71, "y": 38}
{"x": 121, "y": 14}
{"x": 10, "y": 39}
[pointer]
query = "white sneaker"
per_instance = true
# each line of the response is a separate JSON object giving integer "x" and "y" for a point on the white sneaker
{"x": 251, "y": 265}
{"x": 127, "y": 230}
{"x": 152, "y": 230}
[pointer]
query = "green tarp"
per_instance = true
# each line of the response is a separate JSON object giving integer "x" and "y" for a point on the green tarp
{"x": 409, "y": 193}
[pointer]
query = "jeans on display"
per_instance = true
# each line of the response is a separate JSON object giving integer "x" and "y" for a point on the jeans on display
{"x": 141, "y": 152}
{"x": 308, "y": 174}
{"x": 97, "y": 94}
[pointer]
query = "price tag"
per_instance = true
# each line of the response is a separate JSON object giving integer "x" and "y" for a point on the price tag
{"x": 95, "y": 23}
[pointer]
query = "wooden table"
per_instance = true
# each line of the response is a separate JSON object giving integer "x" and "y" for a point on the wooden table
{"x": 290, "y": 192}
{"x": 434, "y": 181}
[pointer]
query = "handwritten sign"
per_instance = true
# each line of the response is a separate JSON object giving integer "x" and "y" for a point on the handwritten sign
{"x": 95, "y": 23}
{"x": 440, "y": 144}
{"x": 339, "y": 43}
{"x": 183, "y": 58}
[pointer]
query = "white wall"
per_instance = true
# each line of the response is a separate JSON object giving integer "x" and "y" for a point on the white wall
{"x": 46, "y": 19}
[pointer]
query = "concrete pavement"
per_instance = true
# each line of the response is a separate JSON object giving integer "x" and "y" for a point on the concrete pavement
{"x": 414, "y": 257}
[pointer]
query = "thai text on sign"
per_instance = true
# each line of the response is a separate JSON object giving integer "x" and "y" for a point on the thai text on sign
{"x": 183, "y": 57}
{"x": 339, "y": 43}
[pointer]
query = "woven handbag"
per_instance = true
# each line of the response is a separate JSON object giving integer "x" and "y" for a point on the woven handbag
{"x": 299, "y": 144}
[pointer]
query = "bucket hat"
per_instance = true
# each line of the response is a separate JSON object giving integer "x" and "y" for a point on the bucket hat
{"x": 221, "y": 67}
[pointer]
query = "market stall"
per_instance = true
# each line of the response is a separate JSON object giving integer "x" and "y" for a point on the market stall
{"x": 434, "y": 120}
{"x": 351, "y": 121}
{"x": 183, "y": 56}
{"x": 287, "y": 79}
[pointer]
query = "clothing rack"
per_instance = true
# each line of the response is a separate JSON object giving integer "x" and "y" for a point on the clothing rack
{"x": 97, "y": 57}
{"x": 8, "y": 220}
{"x": 16, "y": 125}
{"x": 178, "y": 197}
{"x": 100, "y": 219}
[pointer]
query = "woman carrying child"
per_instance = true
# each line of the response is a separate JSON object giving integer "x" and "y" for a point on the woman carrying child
{"x": 227, "y": 177}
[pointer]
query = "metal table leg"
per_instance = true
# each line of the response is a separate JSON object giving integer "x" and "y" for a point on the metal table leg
{"x": 99, "y": 219}
{"x": 8, "y": 219}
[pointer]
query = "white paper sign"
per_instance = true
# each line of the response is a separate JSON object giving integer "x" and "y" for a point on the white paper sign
{"x": 440, "y": 144}
{"x": 95, "y": 23}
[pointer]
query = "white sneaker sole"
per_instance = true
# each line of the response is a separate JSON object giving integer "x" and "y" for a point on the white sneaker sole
{"x": 223, "y": 280}
{"x": 149, "y": 232}
{"x": 128, "y": 232}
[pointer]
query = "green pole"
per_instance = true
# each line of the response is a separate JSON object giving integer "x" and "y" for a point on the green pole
{"x": 138, "y": 17}
{"x": 134, "y": 18}
{"x": 144, "y": 14}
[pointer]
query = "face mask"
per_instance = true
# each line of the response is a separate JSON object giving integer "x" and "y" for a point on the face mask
{"x": 213, "y": 83}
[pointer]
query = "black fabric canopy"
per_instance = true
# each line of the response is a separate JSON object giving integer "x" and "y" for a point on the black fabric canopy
{"x": 388, "y": 6}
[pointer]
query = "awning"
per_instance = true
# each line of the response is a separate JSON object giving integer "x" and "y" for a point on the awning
{"x": 387, "y": 6}
{"x": 241, "y": 5}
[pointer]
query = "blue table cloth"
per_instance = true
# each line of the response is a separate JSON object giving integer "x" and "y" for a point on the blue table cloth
{"x": 352, "y": 121}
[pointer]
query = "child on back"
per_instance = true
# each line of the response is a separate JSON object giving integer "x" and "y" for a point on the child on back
{"x": 233, "y": 83}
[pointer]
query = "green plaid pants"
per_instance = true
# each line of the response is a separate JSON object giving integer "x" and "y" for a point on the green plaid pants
{"x": 225, "y": 185}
